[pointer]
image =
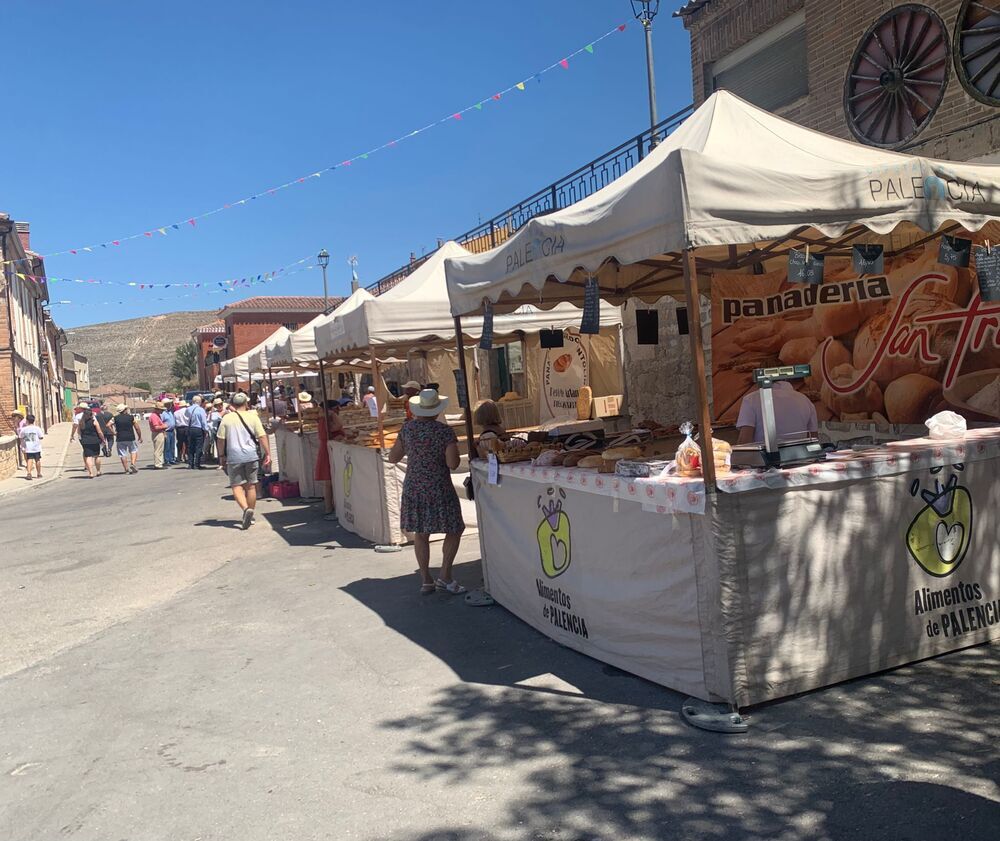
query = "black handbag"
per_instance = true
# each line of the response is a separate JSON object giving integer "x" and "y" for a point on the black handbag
{"x": 469, "y": 492}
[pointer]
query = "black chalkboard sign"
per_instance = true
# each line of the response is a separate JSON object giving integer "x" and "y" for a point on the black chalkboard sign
{"x": 988, "y": 272}
{"x": 461, "y": 389}
{"x": 804, "y": 269}
{"x": 591, "y": 321}
{"x": 647, "y": 327}
{"x": 551, "y": 338}
{"x": 682, "y": 321}
{"x": 486, "y": 339}
{"x": 955, "y": 251}
{"x": 868, "y": 259}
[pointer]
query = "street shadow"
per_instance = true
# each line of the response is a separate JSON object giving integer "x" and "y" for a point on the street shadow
{"x": 221, "y": 524}
{"x": 301, "y": 524}
{"x": 490, "y": 645}
{"x": 908, "y": 754}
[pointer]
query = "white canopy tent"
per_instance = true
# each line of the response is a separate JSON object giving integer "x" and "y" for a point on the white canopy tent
{"x": 731, "y": 175}
{"x": 300, "y": 345}
{"x": 238, "y": 367}
{"x": 417, "y": 312}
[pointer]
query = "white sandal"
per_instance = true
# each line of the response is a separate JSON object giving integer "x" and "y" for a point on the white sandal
{"x": 452, "y": 587}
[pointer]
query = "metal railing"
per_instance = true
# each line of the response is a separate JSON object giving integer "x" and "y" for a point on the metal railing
{"x": 579, "y": 184}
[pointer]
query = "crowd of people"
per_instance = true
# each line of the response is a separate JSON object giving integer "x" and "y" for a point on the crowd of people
{"x": 207, "y": 433}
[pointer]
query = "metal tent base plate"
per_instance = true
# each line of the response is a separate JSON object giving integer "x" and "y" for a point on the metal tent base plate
{"x": 479, "y": 598}
{"x": 715, "y": 717}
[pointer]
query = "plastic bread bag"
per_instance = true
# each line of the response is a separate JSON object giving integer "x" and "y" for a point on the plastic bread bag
{"x": 688, "y": 458}
{"x": 946, "y": 425}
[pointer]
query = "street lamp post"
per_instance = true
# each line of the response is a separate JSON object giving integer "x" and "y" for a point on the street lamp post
{"x": 645, "y": 11}
{"x": 324, "y": 260}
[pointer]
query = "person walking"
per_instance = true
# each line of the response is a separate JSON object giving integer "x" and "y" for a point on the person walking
{"x": 169, "y": 435}
{"x": 197, "y": 430}
{"x": 243, "y": 450}
{"x": 181, "y": 428}
{"x": 214, "y": 413}
{"x": 30, "y": 437}
{"x": 429, "y": 503}
{"x": 158, "y": 435}
{"x": 91, "y": 439}
{"x": 107, "y": 421}
{"x": 129, "y": 437}
{"x": 371, "y": 402}
{"x": 410, "y": 390}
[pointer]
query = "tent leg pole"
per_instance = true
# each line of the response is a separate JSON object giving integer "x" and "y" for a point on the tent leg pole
{"x": 698, "y": 359}
{"x": 465, "y": 379}
{"x": 298, "y": 412}
{"x": 270, "y": 385}
{"x": 322, "y": 383}
{"x": 378, "y": 408}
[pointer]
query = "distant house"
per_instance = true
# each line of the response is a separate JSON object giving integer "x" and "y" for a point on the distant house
{"x": 248, "y": 323}
{"x": 115, "y": 393}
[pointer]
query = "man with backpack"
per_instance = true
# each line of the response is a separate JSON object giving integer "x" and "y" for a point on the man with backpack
{"x": 243, "y": 450}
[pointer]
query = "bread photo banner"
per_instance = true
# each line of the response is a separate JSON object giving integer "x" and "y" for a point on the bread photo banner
{"x": 192, "y": 221}
{"x": 893, "y": 347}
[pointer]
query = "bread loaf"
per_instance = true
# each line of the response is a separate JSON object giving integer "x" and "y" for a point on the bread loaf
{"x": 615, "y": 453}
{"x": 590, "y": 461}
{"x": 584, "y": 402}
{"x": 573, "y": 459}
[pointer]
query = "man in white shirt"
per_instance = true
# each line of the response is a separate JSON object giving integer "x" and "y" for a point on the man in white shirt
{"x": 794, "y": 414}
{"x": 31, "y": 442}
{"x": 239, "y": 435}
{"x": 371, "y": 401}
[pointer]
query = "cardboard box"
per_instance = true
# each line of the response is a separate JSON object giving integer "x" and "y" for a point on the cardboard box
{"x": 606, "y": 407}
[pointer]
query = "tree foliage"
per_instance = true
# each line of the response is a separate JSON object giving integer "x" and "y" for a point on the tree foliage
{"x": 143, "y": 386}
{"x": 185, "y": 364}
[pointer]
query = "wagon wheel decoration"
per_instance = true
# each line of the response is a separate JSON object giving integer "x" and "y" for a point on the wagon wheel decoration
{"x": 898, "y": 76}
{"x": 977, "y": 49}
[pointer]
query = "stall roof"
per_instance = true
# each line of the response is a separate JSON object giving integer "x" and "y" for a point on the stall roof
{"x": 737, "y": 185}
{"x": 416, "y": 312}
{"x": 239, "y": 366}
{"x": 300, "y": 345}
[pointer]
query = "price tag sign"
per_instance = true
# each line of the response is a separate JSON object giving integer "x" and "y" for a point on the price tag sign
{"x": 955, "y": 251}
{"x": 803, "y": 268}
{"x": 494, "y": 474}
{"x": 461, "y": 389}
{"x": 591, "y": 321}
{"x": 868, "y": 259}
{"x": 988, "y": 272}
{"x": 486, "y": 340}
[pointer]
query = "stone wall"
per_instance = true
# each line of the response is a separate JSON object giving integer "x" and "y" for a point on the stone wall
{"x": 658, "y": 378}
{"x": 833, "y": 30}
{"x": 8, "y": 456}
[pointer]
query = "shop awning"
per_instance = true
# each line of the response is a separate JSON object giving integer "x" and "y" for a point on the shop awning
{"x": 300, "y": 345}
{"x": 417, "y": 312}
{"x": 739, "y": 186}
{"x": 239, "y": 366}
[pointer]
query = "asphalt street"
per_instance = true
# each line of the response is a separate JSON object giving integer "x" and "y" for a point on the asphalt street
{"x": 164, "y": 675}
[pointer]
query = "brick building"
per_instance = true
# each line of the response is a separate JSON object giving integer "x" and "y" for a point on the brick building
{"x": 248, "y": 323}
{"x": 899, "y": 75}
{"x": 210, "y": 340}
{"x": 28, "y": 370}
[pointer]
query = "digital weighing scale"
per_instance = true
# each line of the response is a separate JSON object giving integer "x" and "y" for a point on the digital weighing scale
{"x": 774, "y": 453}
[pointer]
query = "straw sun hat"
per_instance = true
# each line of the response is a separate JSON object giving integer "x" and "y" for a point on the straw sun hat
{"x": 305, "y": 397}
{"x": 428, "y": 404}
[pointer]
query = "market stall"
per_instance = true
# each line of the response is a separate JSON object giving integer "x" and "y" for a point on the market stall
{"x": 747, "y": 585}
{"x": 412, "y": 322}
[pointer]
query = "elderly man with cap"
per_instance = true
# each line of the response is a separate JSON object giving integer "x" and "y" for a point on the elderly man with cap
{"x": 197, "y": 431}
{"x": 371, "y": 402}
{"x": 169, "y": 433}
{"x": 410, "y": 389}
{"x": 243, "y": 451}
{"x": 158, "y": 435}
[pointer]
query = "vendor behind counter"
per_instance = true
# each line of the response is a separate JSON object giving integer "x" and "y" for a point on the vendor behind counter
{"x": 794, "y": 414}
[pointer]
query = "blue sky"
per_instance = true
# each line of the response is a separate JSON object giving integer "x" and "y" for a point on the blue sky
{"x": 132, "y": 115}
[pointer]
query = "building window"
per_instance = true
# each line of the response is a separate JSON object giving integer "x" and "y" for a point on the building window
{"x": 770, "y": 71}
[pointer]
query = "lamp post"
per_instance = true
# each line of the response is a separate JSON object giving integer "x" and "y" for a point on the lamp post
{"x": 324, "y": 260}
{"x": 645, "y": 11}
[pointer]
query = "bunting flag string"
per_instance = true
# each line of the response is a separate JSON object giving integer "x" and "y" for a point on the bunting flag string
{"x": 455, "y": 116}
{"x": 229, "y": 283}
{"x": 227, "y": 287}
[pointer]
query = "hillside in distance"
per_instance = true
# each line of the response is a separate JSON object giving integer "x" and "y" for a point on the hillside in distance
{"x": 139, "y": 350}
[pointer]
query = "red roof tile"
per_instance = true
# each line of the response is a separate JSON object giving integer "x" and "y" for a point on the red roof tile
{"x": 280, "y": 303}
{"x": 217, "y": 326}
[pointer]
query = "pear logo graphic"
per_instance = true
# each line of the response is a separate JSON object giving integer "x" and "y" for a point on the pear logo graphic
{"x": 348, "y": 473}
{"x": 939, "y": 536}
{"x": 554, "y": 543}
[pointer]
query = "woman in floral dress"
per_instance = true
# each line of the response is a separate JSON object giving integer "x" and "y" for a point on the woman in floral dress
{"x": 430, "y": 504}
